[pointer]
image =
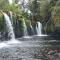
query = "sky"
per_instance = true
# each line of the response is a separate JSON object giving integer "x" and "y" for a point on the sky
{"x": 10, "y": 1}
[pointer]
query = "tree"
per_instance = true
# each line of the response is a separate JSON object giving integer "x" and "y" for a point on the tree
{"x": 35, "y": 10}
{"x": 56, "y": 14}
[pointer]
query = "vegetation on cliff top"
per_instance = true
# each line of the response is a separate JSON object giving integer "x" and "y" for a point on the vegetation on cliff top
{"x": 45, "y": 11}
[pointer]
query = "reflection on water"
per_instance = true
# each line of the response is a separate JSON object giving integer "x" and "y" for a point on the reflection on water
{"x": 35, "y": 48}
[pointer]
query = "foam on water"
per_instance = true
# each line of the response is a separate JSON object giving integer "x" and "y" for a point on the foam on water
{"x": 3, "y": 45}
{"x": 9, "y": 43}
{"x": 26, "y": 37}
{"x": 42, "y": 35}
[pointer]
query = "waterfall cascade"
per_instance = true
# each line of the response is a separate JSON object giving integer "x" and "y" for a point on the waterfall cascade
{"x": 9, "y": 26}
{"x": 11, "y": 17}
{"x": 10, "y": 31}
{"x": 39, "y": 28}
{"x": 25, "y": 28}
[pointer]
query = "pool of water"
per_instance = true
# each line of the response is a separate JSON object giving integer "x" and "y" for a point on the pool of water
{"x": 33, "y": 48}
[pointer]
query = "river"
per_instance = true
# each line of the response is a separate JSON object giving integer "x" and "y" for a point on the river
{"x": 33, "y": 48}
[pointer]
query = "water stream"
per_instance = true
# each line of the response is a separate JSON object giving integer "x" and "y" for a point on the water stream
{"x": 25, "y": 30}
{"x": 35, "y": 47}
{"x": 9, "y": 26}
{"x": 39, "y": 28}
{"x": 11, "y": 17}
{"x": 39, "y": 47}
{"x": 10, "y": 31}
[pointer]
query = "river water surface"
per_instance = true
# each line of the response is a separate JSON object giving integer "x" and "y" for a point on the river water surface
{"x": 33, "y": 48}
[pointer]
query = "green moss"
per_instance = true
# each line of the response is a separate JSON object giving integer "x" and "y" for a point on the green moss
{"x": 1, "y": 22}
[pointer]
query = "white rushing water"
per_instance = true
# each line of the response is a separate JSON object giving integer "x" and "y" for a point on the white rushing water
{"x": 10, "y": 31}
{"x": 11, "y": 17}
{"x": 39, "y": 28}
{"x": 9, "y": 26}
{"x": 25, "y": 28}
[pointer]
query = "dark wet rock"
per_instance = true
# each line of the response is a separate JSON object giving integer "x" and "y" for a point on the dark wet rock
{"x": 51, "y": 52}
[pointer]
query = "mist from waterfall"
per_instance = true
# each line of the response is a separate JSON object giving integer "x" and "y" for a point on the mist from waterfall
{"x": 9, "y": 26}
{"x": 39, "y": 28}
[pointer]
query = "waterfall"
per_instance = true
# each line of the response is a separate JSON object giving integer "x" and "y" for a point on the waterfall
{"x": 39, "y": 28}
{"x": 11, "y": 17}
{"x": 10, "y": 31}
{"x": 25, "y": 28}
{"x": 9, "y": 26}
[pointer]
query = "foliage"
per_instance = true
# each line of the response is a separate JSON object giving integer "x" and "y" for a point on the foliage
{"x": 3, "y": 3}
{"x": 1, "y": 22}
{"x": 35, "y": 9}
{"x": 41, "y": 10}
{"x": 14, "y": 8}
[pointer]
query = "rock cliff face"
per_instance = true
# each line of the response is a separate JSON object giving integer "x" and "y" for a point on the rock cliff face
{"x": 53, "y": 24}
{"x": 49, "y": 16}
